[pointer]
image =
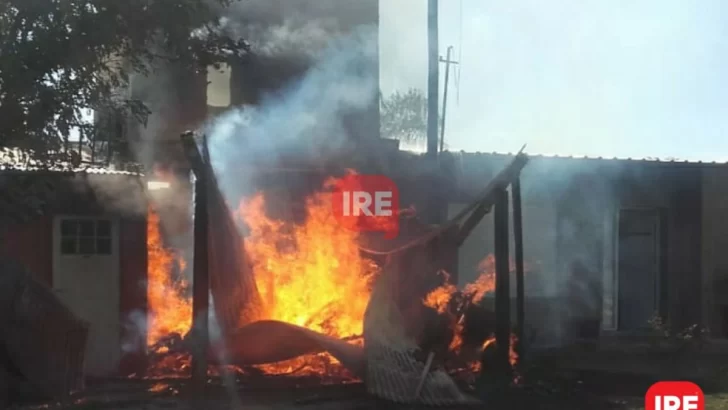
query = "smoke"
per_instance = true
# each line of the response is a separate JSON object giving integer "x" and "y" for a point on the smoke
{"x": 313, "y": 77}
{"x": 568, "y": 215}
{"x": 306, "y": 119}
{"x": 293, "y": 30}
{"x": 134, "y": 337}
{"x": 122, "y": 194}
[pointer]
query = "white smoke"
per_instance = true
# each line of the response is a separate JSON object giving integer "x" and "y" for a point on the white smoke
{"x": 306, "y": 118}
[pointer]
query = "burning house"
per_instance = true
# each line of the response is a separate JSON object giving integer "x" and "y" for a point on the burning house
{"x": 291, "y": 289}
{"x": 610, "y": 244}
{"x": 301, "y": 97}
{"x": 281, "y": 122}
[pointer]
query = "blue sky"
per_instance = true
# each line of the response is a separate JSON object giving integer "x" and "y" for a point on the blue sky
{"x": 639, "y": 78}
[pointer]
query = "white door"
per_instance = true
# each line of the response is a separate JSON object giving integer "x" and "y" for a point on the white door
{"x": 86, "y": 277}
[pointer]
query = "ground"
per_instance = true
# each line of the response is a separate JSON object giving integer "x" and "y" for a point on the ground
{"x": 134, "y": 396}
{"x": 575, "y": 378}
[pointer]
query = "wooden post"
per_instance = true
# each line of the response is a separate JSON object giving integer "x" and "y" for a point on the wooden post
{"x": 200, "y": 281}
{"x": 518, "y": 243}
{"x": 502, "y": 283}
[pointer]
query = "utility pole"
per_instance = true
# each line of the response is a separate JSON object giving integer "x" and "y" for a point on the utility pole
{"x": 432, "y": 81}
{"x": 447, "y": 62}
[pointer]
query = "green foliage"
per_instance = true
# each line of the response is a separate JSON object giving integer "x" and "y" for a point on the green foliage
{"x": 404, "y": 116}
{"x": 693, "y": 335}
{"x": 61, "y": 57}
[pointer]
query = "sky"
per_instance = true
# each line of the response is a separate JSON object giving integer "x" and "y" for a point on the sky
{"x": 619, "y": 78}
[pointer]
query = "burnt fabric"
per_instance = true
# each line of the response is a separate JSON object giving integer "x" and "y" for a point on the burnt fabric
{"x": 270, "y": 341}
{"x": 232, "y": 284}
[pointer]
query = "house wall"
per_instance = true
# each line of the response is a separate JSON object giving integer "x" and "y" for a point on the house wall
{"x": 571, "y": 222}
{"x": 32, "y": 244}
{"x": 543, "y": 187}
{"x": 714, "y": 255}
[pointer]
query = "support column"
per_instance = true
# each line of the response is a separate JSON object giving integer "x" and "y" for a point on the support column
{"x": 502, "y": 282}
{"x": 518, "y": 243}
{"x": 200, "y": 281}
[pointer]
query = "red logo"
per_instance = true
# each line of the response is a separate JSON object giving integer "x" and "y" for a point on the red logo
{"x": 367, "y": 203}
{"x": 674, "y": 396}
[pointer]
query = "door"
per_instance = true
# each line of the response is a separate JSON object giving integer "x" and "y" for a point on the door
{"x": 86, "y": 278}
{"x": 639, "y": 267}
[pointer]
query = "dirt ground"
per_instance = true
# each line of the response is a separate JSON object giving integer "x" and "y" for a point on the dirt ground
{"x": 575, "y": 378}
{"x": 135, "y": 396}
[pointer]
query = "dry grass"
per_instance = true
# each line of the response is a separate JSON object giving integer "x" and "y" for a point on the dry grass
{"x": 716, "y": 401}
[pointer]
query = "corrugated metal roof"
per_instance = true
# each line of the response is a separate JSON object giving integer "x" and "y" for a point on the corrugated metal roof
{"x": 19, "y": 161}
{"x": 87, "y": 170}
{"x": 586, "y": 157}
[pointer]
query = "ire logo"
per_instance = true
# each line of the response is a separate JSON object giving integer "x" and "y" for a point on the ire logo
{"x": 674, "y": 396}
{"x": 367, "y": 203}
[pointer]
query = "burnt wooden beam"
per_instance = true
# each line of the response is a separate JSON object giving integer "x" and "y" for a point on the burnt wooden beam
{"x": 193, "y": 153}
{"x": 502, "y": 283}
{"x": 467, "y": 228}
{"x": 488, "y": 196}
{"x": 200, "y": 280}
{"x": 518, "y": 250}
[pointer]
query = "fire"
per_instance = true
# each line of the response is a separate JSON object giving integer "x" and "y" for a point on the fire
{"x": 169, "y": 310}
{"x": 440, "y": 298}
{"x": 485, "y": 282}
{"x": 312, "y": 274}
{"x": 475, "y": 366}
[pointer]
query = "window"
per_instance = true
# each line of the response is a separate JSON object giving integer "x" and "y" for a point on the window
{"x": 86, "y": 237}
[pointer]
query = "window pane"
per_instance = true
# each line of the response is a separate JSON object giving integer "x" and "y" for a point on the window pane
{"x": 68, "y": 246}
{"x": 69, "y": 227}
{"x": 87, "y": 227}
{"x": 103, "y": 228}
{"x": 86, "y": 246}
{"x": 103, "y": 246}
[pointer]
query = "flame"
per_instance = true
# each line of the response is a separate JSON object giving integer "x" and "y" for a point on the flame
{"x": 476, "y": 365}
{"x": 485, "y": 282}
{"x": 440, "y": 297}
{"x": 312, "y": 274}
{"x": 476, "y": 291}
{"x": 159, "y": 387}
{"x": 309, "y": 274}
{"x": 169, "y": 310}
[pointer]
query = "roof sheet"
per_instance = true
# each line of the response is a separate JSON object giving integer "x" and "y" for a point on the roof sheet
{"x": 80, "y": 170}
{"x": 635, "y": 159}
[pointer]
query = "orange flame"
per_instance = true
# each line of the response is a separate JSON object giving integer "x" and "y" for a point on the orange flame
{"x": 485, "y": 283}
{"x": 169, "y": 310}
{"x": 310, "y": 275}
{"x": 512, "y": 354}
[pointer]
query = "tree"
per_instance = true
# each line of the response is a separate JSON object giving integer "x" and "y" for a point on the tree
{"x": 404, "y": 116}
{"x": 59, "y": 58}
